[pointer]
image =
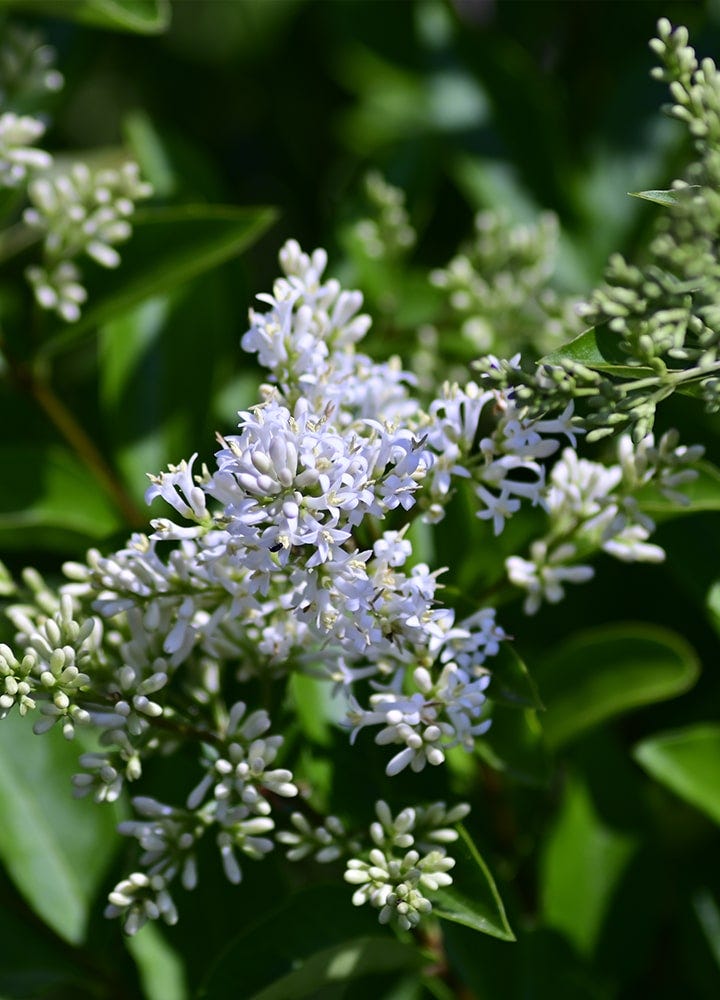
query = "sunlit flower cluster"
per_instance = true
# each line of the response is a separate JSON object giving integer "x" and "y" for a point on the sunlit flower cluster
{"x": 292, "y": 555}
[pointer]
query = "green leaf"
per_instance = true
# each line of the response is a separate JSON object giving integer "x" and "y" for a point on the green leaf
{"x": 603, "y": 672}
{"x": 703, "y": 493}
{"x": 54, "y": 847}
{"x": 281, "y": 942}
{"x": 472, "y": 899}
{"x": 50, "y": 499}
{"x": 584, "y": 859}
{"x": 150, "y": 153}
{"x": 160, "y": 967}
{"x": 670, "y": 199}
{"x": 144, "y": 17}
{"x": 34, "y": 961}
{"x": 511, "y": 682}
{"x": 687, "y": 761}
{"x": 340, "y": 964}
{"x": 169, "y": 247}
{"x": 597, "y": 348}
{"x": 515, "y": 746}
{"x": 708, "y": 916}
{"x": 314, "y": 706}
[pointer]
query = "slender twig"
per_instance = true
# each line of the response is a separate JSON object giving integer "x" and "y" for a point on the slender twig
{"x": 81, "y": 443}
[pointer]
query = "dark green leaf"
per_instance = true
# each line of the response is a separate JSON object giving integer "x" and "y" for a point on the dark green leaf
{"x": 584, "y": 858}
{"x": 350, "y": 960}
{"x": 50, "y": 491}
{"x": 169, "y": 247}
{"x": 604, "y": 672}
{"x": 687, "y": 761}
{"x": 473, "y": 898}
{"x": 281, "y": 942}
{"x": 515, "y": 746}
{"x": 511, "y": 683}
{"x": 54, "y": 847}
{"x": 146, "y": 17}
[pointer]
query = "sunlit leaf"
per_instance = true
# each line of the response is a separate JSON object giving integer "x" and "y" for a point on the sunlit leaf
{"x": 597, "y": 348}
{"x": 145, "y": 17}
{"x": 687, "y": 761}
{"x": 670, "y": 199}
{"x": 604, "y": 672}
{"x": 584, "y": 858}
{"x": 160, "y": 968}
{"x": 54, "y": 847}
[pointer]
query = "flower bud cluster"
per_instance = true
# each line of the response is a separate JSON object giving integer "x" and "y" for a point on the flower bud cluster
{"x": 388, "y": 233}
{"x": 499, "y": 286}
{"x": 19, "y": 157}
{"x": 79, "y": 211}
{"x": 50, "y": 671}
{"x": 234, "y": 797}
{"x": 407, "y": 863}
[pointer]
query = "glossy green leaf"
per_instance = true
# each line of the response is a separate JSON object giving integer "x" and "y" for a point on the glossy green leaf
{"x": 473, "y": 898}
{"x": 584, "y": 859}
{"x": 159, "y": 966}
{"x": 144, "y": 17}
{"x": 511, "y": 682}
{"x": 604, "y": 672}
{"x": 340, "y": 964}
{"x": 51, "y": 497}
{"x": 169, "y": 247}
{"x": 687, "y": 761}
{"x": 597, "y": 348}
{"x": 54, "y": 847}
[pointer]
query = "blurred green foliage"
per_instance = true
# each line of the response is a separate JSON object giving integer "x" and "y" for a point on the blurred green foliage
{"x": 241, "y": 113}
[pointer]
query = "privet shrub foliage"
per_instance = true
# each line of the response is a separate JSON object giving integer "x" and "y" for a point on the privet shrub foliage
{"x": 297, "y": 702}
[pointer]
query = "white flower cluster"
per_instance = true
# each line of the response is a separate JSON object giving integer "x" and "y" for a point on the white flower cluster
{"x": 232, "y": 796}
{"x": 275, "y": 561}
{"x": 79, "y": 211}
{"x": 407, "y": 862}
{"x": 591, "y": 506}
{"x": 18, "y": 155}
